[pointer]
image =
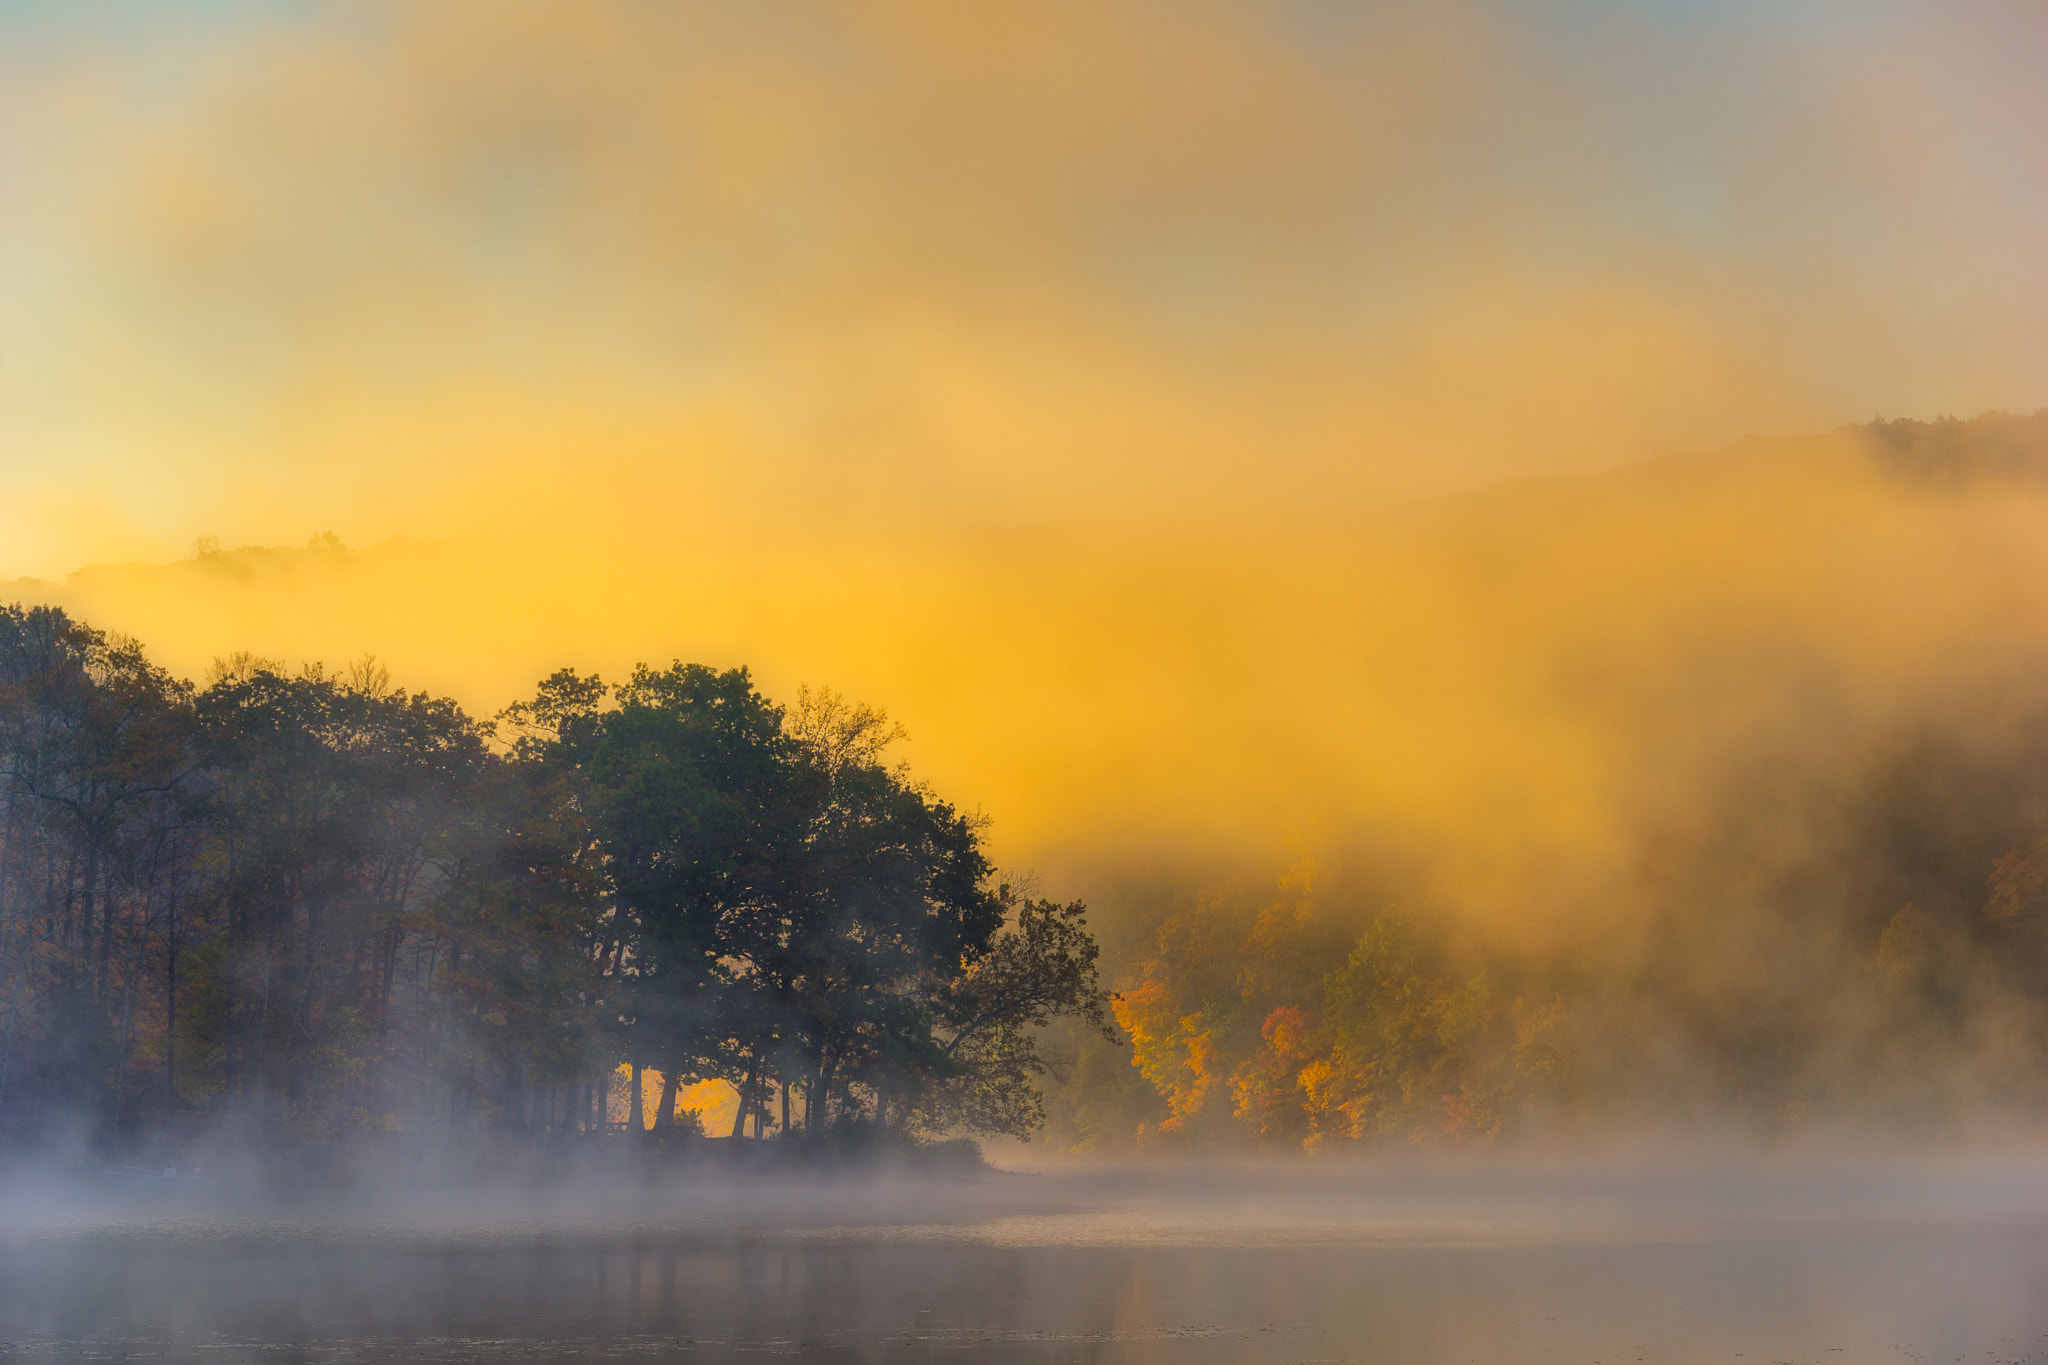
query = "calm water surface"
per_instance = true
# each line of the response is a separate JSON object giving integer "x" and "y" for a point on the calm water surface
{"x": 1472, "y": 1264}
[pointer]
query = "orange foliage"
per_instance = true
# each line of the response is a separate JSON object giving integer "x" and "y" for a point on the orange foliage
{"x": 1389, "y": 1044}
{"x": 1267, "y": 1087}
{"x": 1177, "y": 1053}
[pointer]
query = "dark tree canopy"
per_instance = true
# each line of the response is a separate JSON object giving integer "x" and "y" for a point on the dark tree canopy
{"x": 312, "y": 904}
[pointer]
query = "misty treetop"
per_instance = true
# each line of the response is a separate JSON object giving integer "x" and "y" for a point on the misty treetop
{"x": 315, "y": 904}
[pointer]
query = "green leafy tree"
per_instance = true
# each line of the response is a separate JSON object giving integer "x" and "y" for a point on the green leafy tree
{"x": 1040, "y": 968}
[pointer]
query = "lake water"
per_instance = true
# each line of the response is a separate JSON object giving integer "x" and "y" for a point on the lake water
{"x": 1793, "y": 1262}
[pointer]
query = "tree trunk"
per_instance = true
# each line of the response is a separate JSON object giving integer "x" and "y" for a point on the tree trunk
{"x": 739, "y": 1118}
{"x": 106, "y": 905}
{"x": 665, "y": 1116}
{"x": 515, "y": 1099}
{"x": 171, "y": 995}
{"x": 88, "y": 903}
{"x": 820, "y": 1121}
{"x": 121, "y": 1058}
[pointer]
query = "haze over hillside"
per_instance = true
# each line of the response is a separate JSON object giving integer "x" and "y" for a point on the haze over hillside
{"x": 1232, "y": 437}
{"x": 1739, "y": 756}
{"x": 1505, "y": 685}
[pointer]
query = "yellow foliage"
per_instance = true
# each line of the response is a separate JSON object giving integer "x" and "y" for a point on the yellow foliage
{"x": 1392, "y": 1044}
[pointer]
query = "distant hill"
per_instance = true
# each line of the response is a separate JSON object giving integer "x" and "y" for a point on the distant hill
{"x": 1950, "y": 450}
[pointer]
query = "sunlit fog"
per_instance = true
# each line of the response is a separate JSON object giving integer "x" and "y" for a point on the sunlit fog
{"x": 1265, "y": 680}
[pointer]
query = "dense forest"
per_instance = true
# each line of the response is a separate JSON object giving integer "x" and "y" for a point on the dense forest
{"x": 300, "y": 905}
{"x": 1826, "y": 922}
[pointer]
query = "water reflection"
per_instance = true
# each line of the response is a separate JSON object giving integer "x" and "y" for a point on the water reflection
{"x": 1473, "y": 1265}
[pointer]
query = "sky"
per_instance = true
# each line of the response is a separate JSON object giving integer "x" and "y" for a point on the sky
{"x": 1049, "y": 374}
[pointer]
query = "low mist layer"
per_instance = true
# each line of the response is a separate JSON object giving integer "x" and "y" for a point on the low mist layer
{"x": 1444, "y": 1264}
{"x": 1708, "y": 789}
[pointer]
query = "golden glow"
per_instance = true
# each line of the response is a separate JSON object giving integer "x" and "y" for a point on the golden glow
{"x": 1509, "y": 684}
{"x": 1053, "y": 377}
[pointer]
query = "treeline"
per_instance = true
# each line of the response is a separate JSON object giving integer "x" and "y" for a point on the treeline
{"x": 1285, "y": 1025}
{"x": 1822, "y": 898}
{"x": 308, "y": 904}
{"x": 1851, "y": 939}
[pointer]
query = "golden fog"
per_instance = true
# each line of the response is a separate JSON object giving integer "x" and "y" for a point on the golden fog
{"x": 1516, "y": 688}
{"x": 1188, "y": 419}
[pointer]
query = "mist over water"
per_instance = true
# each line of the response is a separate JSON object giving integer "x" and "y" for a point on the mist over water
{"x": 1239, "y": 440}
{"x": 1640, "y": 1259}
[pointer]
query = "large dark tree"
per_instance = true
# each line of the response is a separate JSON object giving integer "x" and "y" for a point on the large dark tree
{"x": 312, "y": 905}
{"x": 792, "y": 915}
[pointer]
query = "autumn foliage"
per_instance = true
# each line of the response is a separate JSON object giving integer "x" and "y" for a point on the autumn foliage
{"x": 1279, "y": 1026}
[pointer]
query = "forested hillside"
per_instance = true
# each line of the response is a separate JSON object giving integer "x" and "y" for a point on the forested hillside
{"x": 1709, "y": 791}
{"x": 1822, "y": 910}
